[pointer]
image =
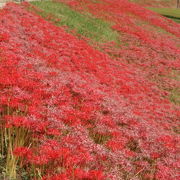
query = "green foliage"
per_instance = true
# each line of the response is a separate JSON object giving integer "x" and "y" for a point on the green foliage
{"x": 85, "y": 25}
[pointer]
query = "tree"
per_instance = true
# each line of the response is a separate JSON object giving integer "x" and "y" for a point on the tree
{"x": 177, "y": 3}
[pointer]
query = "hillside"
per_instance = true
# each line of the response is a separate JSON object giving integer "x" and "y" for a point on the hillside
{"x": 89, "y": 89}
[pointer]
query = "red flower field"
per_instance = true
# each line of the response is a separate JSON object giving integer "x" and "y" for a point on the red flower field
{"x": 69, "y": 111}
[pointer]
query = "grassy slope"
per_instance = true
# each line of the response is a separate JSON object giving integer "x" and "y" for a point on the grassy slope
{"x": 172, "y": 13}
{"x": 168, "y": 11}
{"x": 166, "y": 8}
{"x": 87, "y": 26}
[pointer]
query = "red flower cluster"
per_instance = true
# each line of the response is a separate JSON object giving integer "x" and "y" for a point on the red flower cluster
{"x": 147, "y": 39}
{"x": 90, "y": 117}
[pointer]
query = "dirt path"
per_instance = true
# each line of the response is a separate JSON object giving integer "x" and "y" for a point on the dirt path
{"x": 2, "y": 5}
{"x": 3, "y": 2}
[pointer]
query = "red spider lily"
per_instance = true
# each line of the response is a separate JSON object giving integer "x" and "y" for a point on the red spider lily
{"x": 66, "y": 94}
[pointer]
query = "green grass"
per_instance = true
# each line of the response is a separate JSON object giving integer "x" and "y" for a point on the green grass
{"x": 175, "y": 93}
{"x": 175, "y": 96}
{"x": 171, "y": 13}
{"x": 85, "y": 25}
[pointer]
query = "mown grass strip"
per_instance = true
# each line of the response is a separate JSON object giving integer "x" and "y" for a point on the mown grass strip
{"x": 85, "y": 25}
{"x": 171, "y": 13}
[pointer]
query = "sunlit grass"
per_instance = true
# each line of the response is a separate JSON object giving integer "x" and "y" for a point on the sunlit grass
{"x": 85, "y": 25}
